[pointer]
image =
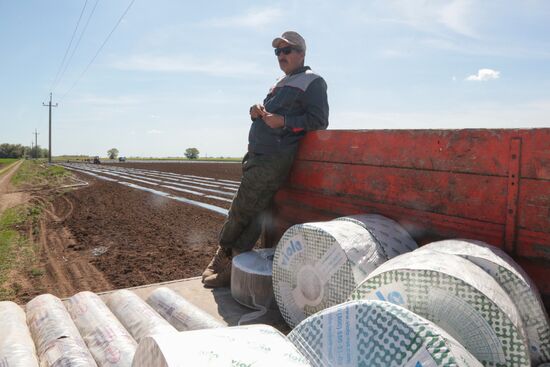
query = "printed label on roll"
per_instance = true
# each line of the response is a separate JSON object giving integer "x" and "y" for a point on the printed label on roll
{"x": 340, "y": 337}
{"x": 290, "y": 249}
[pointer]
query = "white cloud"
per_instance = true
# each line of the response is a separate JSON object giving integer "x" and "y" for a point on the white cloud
{"x": 484, "y": 75}
{"x": 155, "y": 131}
{"x": 253, "y": 18}
{"x": 456, "y": 15}
{"x": 430, "y": 17}
{"x": 188, "y": 64}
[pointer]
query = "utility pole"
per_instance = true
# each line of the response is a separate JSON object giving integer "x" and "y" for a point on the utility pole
{"x": 50, "y": 129}
{"x": 35, "y": 143}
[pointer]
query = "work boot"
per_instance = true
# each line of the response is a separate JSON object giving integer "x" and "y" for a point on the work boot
{"x": 218, "y": 272}
{"x": 220, "y": 260}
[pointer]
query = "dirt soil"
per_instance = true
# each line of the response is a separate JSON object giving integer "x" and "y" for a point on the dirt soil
{"x": 107, "y": 236}
{"x": 8, "y": 195}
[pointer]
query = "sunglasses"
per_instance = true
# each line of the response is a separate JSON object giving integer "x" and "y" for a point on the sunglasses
{"x": 285, "y": 50}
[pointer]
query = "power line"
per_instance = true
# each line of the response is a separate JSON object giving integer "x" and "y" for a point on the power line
{"x": 78, "y": 41}
{"x": 69, "y": 46}
{"x": 100, "y": 48}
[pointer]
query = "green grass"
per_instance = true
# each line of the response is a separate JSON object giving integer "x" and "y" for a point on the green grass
{"x": 8, "y": 160}
{"x": 5, "y": 163}
{"x": 16, "y": 251}
{"x": 39, "y": 174}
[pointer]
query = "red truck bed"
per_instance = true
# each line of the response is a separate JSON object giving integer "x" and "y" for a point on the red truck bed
{"x": 487, "y": 184}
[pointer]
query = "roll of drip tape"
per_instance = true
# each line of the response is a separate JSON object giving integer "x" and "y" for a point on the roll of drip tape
{"x": 515, "y": 282}
{"x": 179, "y": 312}
{"x": 459, "y": 297}
{"x": 376, "y": 333}
{"x": 318, "y": 265}
{"x": 258, "y": 345}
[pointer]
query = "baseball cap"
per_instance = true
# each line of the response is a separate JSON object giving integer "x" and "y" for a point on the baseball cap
{"x": 291, "y": 37}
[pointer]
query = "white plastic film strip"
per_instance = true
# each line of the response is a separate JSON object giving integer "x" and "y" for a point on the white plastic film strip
{"x": 252, "y": 278}
{"x": 514, "y": 281}
{"x": 376, "y": 333}
{"x": 136, "y": 315}
{"x": 255, "y": 345}
{"x": 318, "y": 265}
{"x": 16, "y": 345}
{"x": 108, "y": 341}
{"x": 180, "y": 313}
{"x": 56, "y": 337}
{"x": 459, "y": 297}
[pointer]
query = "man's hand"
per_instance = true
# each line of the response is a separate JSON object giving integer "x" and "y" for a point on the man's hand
{"x": 272, "y": 120}
{"x": 256, "y": 111}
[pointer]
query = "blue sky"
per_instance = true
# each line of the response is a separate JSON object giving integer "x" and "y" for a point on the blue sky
{"x": 178, "y": 74}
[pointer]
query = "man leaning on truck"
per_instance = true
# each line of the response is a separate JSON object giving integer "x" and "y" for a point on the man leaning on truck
{"x": 297, "y": 103}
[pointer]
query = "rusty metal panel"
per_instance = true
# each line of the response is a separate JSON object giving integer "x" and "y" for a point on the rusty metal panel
{"x": 483, "y": 151}
{"x": 451, "y": 193}
{"x": 436, "y": 183}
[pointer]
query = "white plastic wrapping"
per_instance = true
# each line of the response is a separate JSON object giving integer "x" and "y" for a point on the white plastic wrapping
{"x": 376, "y": 333}
{"x": 56, "y": 337}
{"x": 318, "y": 265}
{"x": 180, "y": 313}
{"x": 514, "y": 281}
{"x": 459, "y": 297}
{"x": 395, "y": 240}
{"x": 16, "y": 345}
{"x": 255, "y": 345}
{"x": 136, "y": 315}
{"x": 252, "y": 279}
{"x": 108, "y": 341}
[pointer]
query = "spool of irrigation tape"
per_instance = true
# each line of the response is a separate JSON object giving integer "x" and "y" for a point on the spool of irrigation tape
{"x": 318, "y": 265}
{"x": 376, "y": 333}
{"x": 16, "y": 345}
{"x": 56, "y": 337}
{"x": 252, "y": 278}
{"x": 258, "y": 345}
{"x": 395, "y": 240}
{"x": 515, "y": 282}
{"x": 108, "y": 341}
{"x": 180, "y": 313}
{"x": 459, "y": 297}
{"x": 136, "y": 315}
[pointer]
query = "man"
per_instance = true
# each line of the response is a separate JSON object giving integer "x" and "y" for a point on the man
{"x": 297, "y": 103}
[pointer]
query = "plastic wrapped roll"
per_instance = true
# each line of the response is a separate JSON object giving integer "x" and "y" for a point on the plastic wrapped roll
{"x": 514, "y": 281}
{"x": 255, "y": 345}
{"x": 376, "y": 333}
{"x": 395, "y": 240}
{"x": 136, "y": 315}
{"x": 459, "y": 297}
{"x": 56, "y": 337}
{"x": 108, "y": 341}
{"x": 252, "y": 279}
{"x": 16, "y": 345}
{"x": 318, "y": 265}
{"x": 179, "y": 312}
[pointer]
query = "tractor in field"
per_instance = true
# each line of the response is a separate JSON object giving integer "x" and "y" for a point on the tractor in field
{"x": 96, "y": 160}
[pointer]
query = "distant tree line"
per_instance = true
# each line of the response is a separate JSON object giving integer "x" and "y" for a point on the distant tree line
{"x": 21, "y": 151}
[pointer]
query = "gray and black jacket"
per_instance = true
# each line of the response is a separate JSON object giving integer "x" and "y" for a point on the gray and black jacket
{"x": 301, "y": 97}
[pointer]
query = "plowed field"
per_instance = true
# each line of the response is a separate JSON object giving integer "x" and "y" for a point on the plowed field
{"x": 113, "y": 233}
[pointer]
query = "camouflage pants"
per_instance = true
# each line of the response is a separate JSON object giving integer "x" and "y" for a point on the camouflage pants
{"x": 262, "y": 176}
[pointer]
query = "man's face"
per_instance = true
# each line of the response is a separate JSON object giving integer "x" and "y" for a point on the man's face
{"x": 292, "y": 61}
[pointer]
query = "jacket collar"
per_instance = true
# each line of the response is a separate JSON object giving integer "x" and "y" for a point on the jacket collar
{"x": 300, "y": 70}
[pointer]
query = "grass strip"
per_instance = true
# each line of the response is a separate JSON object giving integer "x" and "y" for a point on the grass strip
{"x": 17, "y": 252}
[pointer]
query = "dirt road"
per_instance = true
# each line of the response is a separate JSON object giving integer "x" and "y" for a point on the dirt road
{"x": 8, "y": 197}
